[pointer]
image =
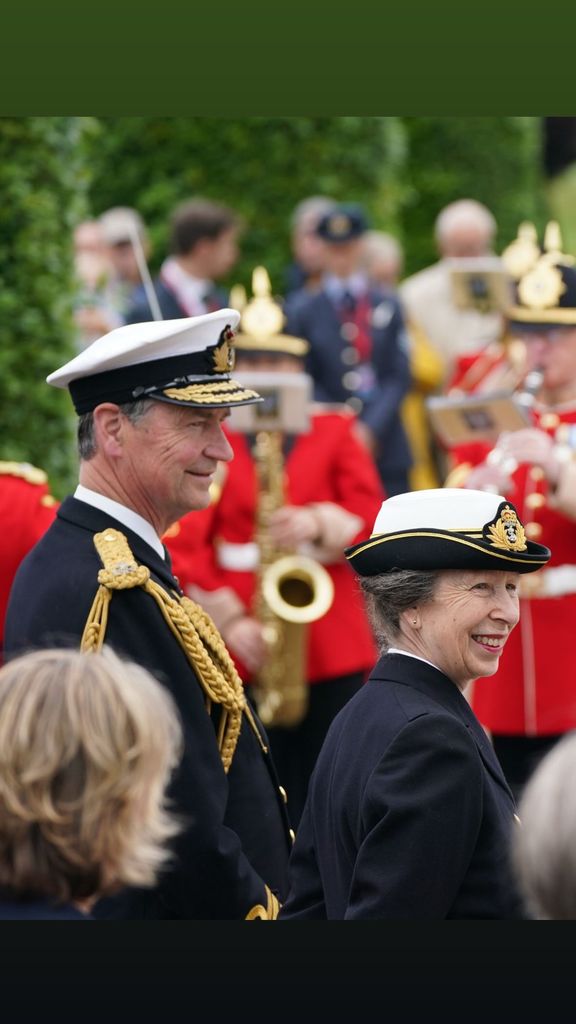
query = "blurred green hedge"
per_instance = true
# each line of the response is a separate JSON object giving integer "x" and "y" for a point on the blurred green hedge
{"x": 42, "y": 183}
{"x": 54, "y": 171}
{"x": 496, "y": 160}
{"x": 262, "y": 167}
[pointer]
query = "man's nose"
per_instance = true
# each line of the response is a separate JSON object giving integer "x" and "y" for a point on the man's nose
{"x": 219, "y": 446}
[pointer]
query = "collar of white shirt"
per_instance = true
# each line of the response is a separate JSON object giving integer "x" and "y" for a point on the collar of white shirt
{"x": 408, "y": 654}
{"x": 124, "y": 515}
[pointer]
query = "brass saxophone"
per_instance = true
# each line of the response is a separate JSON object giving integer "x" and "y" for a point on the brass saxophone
{"x": 292, "y": 590}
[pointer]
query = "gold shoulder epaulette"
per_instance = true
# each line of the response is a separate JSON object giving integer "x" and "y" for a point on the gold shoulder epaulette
{"x": 25, "y": 471}
{"x": 121, "y": 570}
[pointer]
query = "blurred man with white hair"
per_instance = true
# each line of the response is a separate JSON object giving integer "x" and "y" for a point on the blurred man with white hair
{"x": 464, "y": 230}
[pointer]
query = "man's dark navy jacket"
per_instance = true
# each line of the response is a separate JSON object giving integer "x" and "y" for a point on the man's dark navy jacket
{"x": 408, "y": 813}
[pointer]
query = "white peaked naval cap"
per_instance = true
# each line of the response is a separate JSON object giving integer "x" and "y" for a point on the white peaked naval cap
{"x": 447, "y": 528}
{"x": 186, "y": 361}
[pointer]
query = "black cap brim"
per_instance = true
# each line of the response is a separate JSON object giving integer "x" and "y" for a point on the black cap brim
{"x": 429, "y": 549}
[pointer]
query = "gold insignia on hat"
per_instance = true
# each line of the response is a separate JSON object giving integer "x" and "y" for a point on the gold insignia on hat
{"x": 339, "y": 224}
{"x": 520, "y": 256}
{"x": 262, "y": 318}
{"x": 223, "y": 355}
{"x": 507, "y": 531}
{"x": 542, "y": 287}
{"x": 553, "y": 245}
{"x": 262, "y": 322}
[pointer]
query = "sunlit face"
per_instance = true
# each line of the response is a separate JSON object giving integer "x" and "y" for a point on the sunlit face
{"x": 554, "y": 351}
{"x": 169, "y": 460}
{"x": 463, "y": 629}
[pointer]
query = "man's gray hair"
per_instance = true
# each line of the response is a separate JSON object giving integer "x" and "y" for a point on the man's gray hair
{"x": 391, "y": 593}
{"x": 544, "y": 844}
{"x": 87, "y": 447}
{"x": 311, "y": 209}
{"x": 468, "y": 212}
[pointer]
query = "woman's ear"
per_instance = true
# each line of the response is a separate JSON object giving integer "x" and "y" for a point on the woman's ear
{"x": 108, "y": 427}
{"x": 411, "y": 618}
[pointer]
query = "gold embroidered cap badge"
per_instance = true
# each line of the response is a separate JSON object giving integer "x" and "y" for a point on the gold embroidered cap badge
{"x": 223, "y": 356}
{"x": 507, "y": 532}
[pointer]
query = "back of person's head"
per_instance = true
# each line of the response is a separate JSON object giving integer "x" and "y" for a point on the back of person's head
{"x": 465, "y": 228}
{"x": 307, "y": 213}
{"x": 87, "y": 745}
{"x": 119, "y": 225}
{"x": 198, "y": 219}
{"x": 382, "y": 258}
{"x": 544, "y": 848}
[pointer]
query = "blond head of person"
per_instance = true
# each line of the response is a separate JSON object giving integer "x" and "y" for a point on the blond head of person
{"x": 544, "y": 850}
{"x": 87, "y": 746}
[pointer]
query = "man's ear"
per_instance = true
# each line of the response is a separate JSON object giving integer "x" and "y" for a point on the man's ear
{"x": 109, "y": 424}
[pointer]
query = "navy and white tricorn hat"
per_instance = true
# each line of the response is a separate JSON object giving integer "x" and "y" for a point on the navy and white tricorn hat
{"x": 184, "y": 362}
{"x": 447, "y": 528}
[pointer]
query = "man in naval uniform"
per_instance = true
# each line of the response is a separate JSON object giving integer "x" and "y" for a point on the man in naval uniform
{"x": 152, "y": 399}
{"x": 359, "y": 349}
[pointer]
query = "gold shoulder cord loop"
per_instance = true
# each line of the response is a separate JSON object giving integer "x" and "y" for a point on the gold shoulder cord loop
{"x": 268, "y": 913}
{"x": 192, "y": 627}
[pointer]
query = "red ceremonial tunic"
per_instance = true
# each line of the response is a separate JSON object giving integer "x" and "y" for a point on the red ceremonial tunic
{"x": 328, "y": 464}
{"x": 26, "y": 511}
{"x": 533, "y": 693}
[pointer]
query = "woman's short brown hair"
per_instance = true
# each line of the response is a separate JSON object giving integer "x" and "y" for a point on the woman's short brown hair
{"x": 87, "y": 744}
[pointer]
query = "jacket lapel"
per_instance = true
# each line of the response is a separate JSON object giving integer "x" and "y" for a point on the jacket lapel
{"x": 429, "y": 680}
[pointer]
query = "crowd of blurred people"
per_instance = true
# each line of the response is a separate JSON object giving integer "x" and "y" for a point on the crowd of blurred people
{"x": 367, "y": 347}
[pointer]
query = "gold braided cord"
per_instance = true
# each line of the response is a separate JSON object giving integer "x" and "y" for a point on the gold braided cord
{"x": 95, "y": 628}
{"x": 257, "y": 913}
{"x": 213, "y": 393}
{"x": 192, "y": 627}
{"x": 269, "y": 912}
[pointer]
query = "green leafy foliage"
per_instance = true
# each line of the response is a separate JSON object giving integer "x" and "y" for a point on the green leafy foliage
{"x": 495, "y": 160}
{"x": 261, "y": 167}
{"x": 54, "y": 171}
{"x": 42, "y": 182}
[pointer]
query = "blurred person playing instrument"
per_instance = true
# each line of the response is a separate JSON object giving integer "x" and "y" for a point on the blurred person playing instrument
{"x": 464, "y": 232}
{"x": 532, "y": 703}
{"x": 303, "y": 489}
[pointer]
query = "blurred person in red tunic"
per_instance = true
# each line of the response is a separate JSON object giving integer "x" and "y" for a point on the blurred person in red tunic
{"x": 332, "y": 492}
{"x": 26, "y": 510}
{"x": 531, "y": 702}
